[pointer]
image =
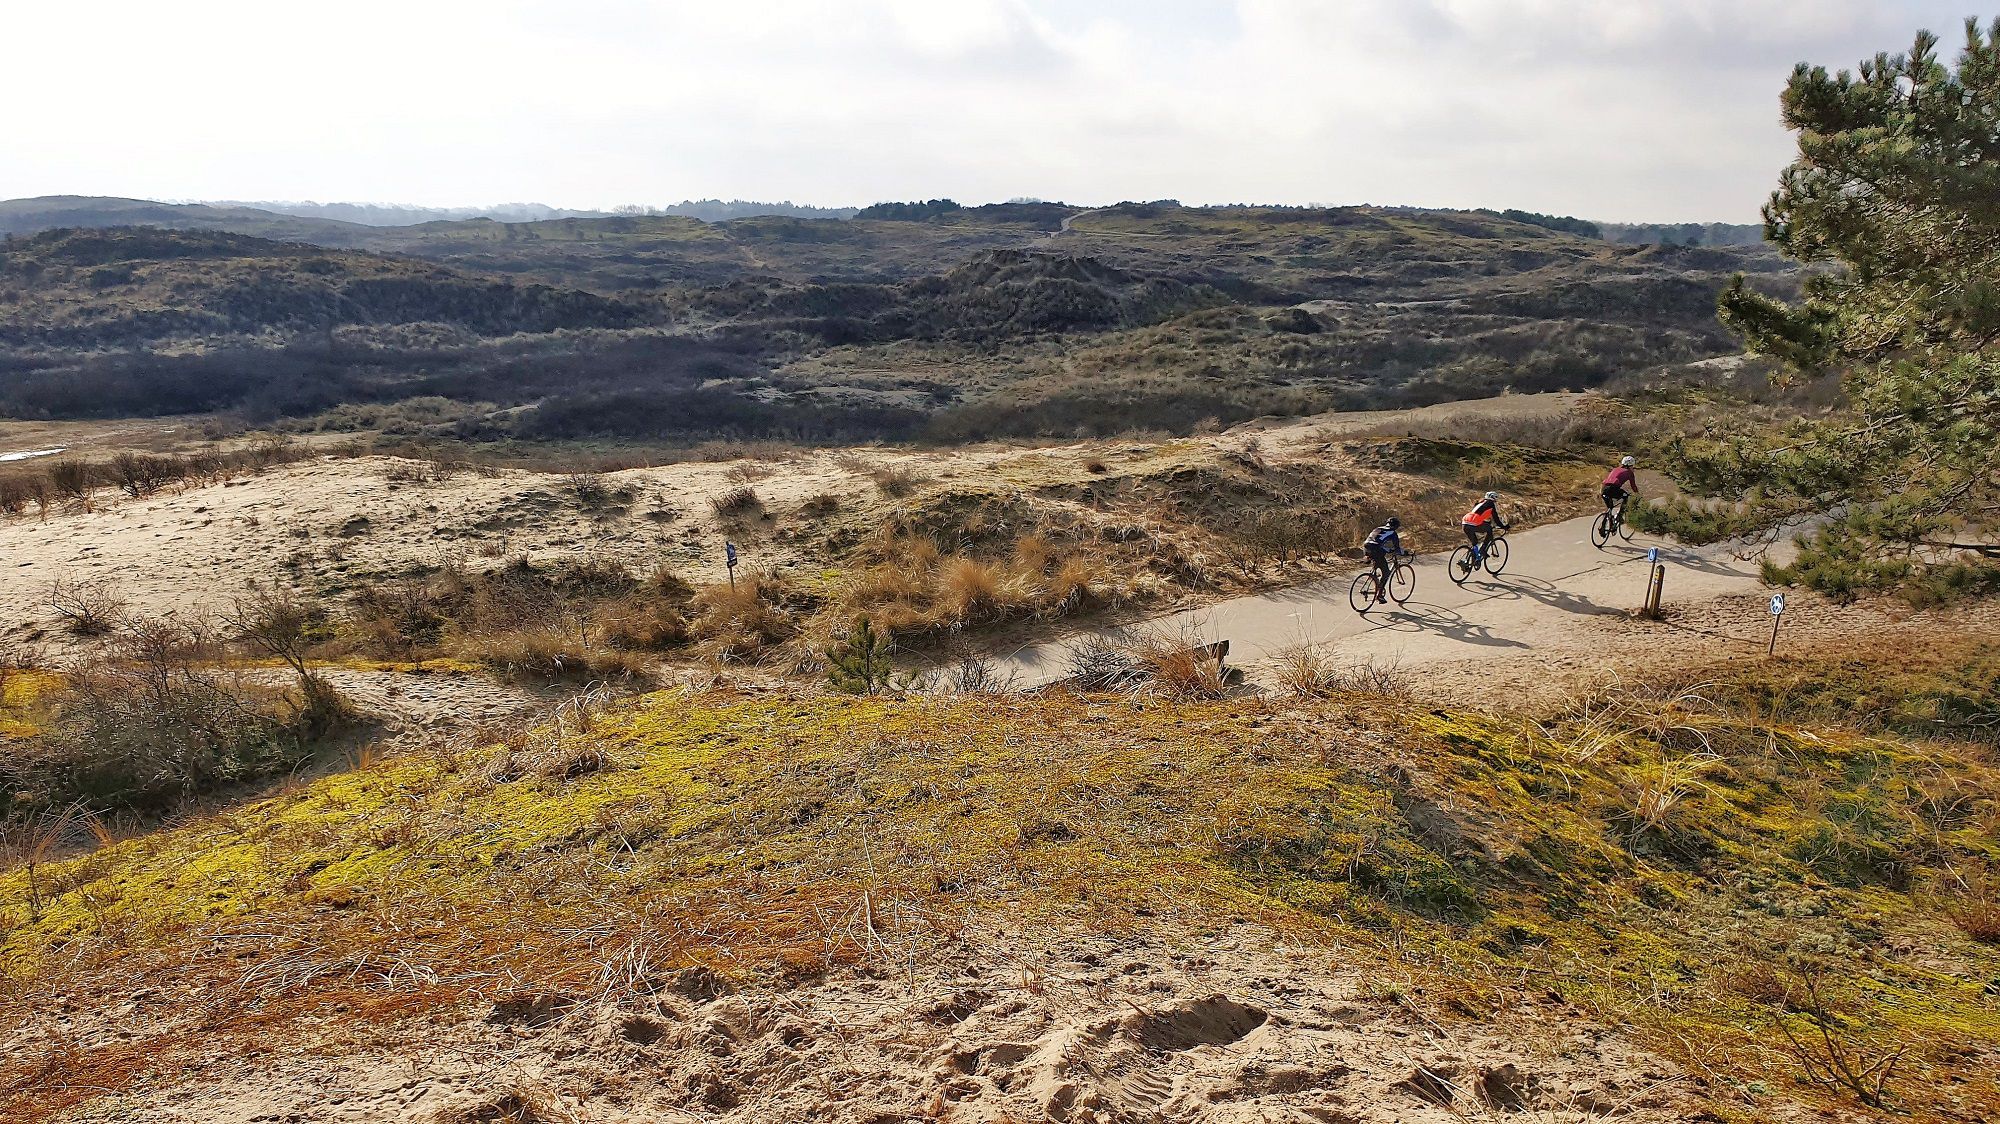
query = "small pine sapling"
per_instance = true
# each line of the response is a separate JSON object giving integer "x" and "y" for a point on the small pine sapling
{"x": 859, "y": 663}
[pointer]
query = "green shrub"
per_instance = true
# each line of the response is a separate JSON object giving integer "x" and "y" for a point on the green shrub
{"x": 1692, "y": 524}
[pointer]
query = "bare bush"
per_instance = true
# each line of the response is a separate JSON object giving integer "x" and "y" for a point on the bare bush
{"x": 1101, "y": 663}
{"x": 138, "y": 474}
{"x": 421, "y": 470}
{"x": 279, "y": 623}
{"x": 147, "y": 725}
{"x": 1830, "y": 1046}
{"x": 141, "y": 474}
{"x": 974, "y": 675}
{"x": 88, "y": 608}
{"x": 14, "y": 496}
{"x": 588, "y": 489}
{"x": 748, "y": 471}
{"x": 73, "y": 480}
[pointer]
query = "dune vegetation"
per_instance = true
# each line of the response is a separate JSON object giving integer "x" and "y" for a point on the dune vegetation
{"x": 1784, "y": 891}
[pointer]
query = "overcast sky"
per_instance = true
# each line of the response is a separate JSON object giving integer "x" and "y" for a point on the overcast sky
{"x": 1661, "y": 110}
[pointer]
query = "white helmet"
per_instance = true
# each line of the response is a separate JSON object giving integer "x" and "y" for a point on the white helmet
{"x": 1492, "y": 495}
{"x": 1628, "y": 462}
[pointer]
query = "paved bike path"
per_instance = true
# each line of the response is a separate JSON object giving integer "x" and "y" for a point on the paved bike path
{"x": 1554, "y": 581}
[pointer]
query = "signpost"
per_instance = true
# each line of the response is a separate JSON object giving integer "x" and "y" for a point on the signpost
{"x": 1777, "y": 615}
{"x": 1656, "y": 585}
{"x": 729, "y": 560}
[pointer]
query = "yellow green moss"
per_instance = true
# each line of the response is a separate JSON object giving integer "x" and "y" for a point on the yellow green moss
{"x": 752, "y": 829}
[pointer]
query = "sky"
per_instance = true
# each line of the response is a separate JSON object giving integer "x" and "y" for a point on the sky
{"x": 1617, "y": 110}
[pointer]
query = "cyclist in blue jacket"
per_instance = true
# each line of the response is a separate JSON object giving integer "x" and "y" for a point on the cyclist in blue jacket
{"x": 1382, "y": 544}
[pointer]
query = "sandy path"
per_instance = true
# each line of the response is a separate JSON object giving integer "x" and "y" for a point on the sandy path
{"x": 1560, "y": 600}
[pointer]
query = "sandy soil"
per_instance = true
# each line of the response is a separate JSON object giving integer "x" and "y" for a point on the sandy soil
{"x": 96, "y": 438}
{"x": 326, "y": 523}
{"x": 1229, "y": 1026}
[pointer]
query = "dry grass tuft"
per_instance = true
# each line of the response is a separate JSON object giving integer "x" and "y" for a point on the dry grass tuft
{"x": 737, "y": 503}
{"x": 918, "y": 591}
{"x": 1661, "y": 788}
{"x": 1975, "y": 911}
{"x": 741, "y": 622}
{"x": 520, "y": 1101}
{"x": 1314, "y": 671}
{"x": 1173, "y": 665}
{"x": 549, "y": 653}
{"x": 897, "y": 480}
{"x": 1181, "y": 667}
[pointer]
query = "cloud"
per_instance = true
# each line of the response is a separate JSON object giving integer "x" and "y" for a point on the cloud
{"x": 1656, "y": 109}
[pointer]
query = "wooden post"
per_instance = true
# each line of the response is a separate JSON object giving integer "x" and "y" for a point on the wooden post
{"x": 1656, "y": 588}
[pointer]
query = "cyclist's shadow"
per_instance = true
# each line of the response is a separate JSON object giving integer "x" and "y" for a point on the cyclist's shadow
{"x": 1421, "y": 616}
{"x": 1546, "y": 592}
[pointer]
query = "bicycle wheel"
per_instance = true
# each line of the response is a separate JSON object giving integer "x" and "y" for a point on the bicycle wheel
{"x": 1461, "y": 566}
{"x": 1624, "y": 526}
{"x": 1600, "y": 531}
{"x": 1403, "y": 583}
{"x": 1361, "y": 595}
{"x": 1496, "y": 557}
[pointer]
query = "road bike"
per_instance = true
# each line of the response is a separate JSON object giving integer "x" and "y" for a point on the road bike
{"x": 1402, "y": 582}
{"x": 1467, "y": 560}
{"x": 1612, "y": 522}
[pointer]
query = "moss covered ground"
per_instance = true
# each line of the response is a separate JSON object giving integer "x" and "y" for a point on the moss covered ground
{"x": 1734, "y": 871}
{"x": 21, "y": 696}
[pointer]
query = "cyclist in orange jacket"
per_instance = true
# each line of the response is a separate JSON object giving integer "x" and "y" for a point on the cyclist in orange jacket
{"x": 1478, "y": 523}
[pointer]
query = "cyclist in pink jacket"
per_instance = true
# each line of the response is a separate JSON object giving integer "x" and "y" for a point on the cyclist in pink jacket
{"x": 1619, "y": 483}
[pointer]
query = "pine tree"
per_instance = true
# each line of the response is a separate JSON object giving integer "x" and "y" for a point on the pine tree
{"x": 1894, "y": 205}
{"x": 859, "y": 664}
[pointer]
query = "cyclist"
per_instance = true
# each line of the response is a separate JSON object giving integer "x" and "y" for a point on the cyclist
{"x": 1382, "y": 544}
{"x": 1621, "y": 482}
{"x": 1479, "y": 522}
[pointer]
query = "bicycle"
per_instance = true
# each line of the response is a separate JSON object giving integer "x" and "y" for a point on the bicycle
{"x": 1402, "y": 583}
{"x": 1467, "y": 560}
{"x": 1612, "y": 522}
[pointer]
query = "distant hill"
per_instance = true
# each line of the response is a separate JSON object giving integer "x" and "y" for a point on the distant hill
{"x": 1685, "y": 234}
{"x": 128, "y": 286}
{"x": 934, "y": 320}
{"x": 390, "y": 214}
{"x": 48, "y": 212}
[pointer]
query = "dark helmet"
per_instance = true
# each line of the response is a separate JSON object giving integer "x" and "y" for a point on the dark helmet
{"x": 1394, "y": 523}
